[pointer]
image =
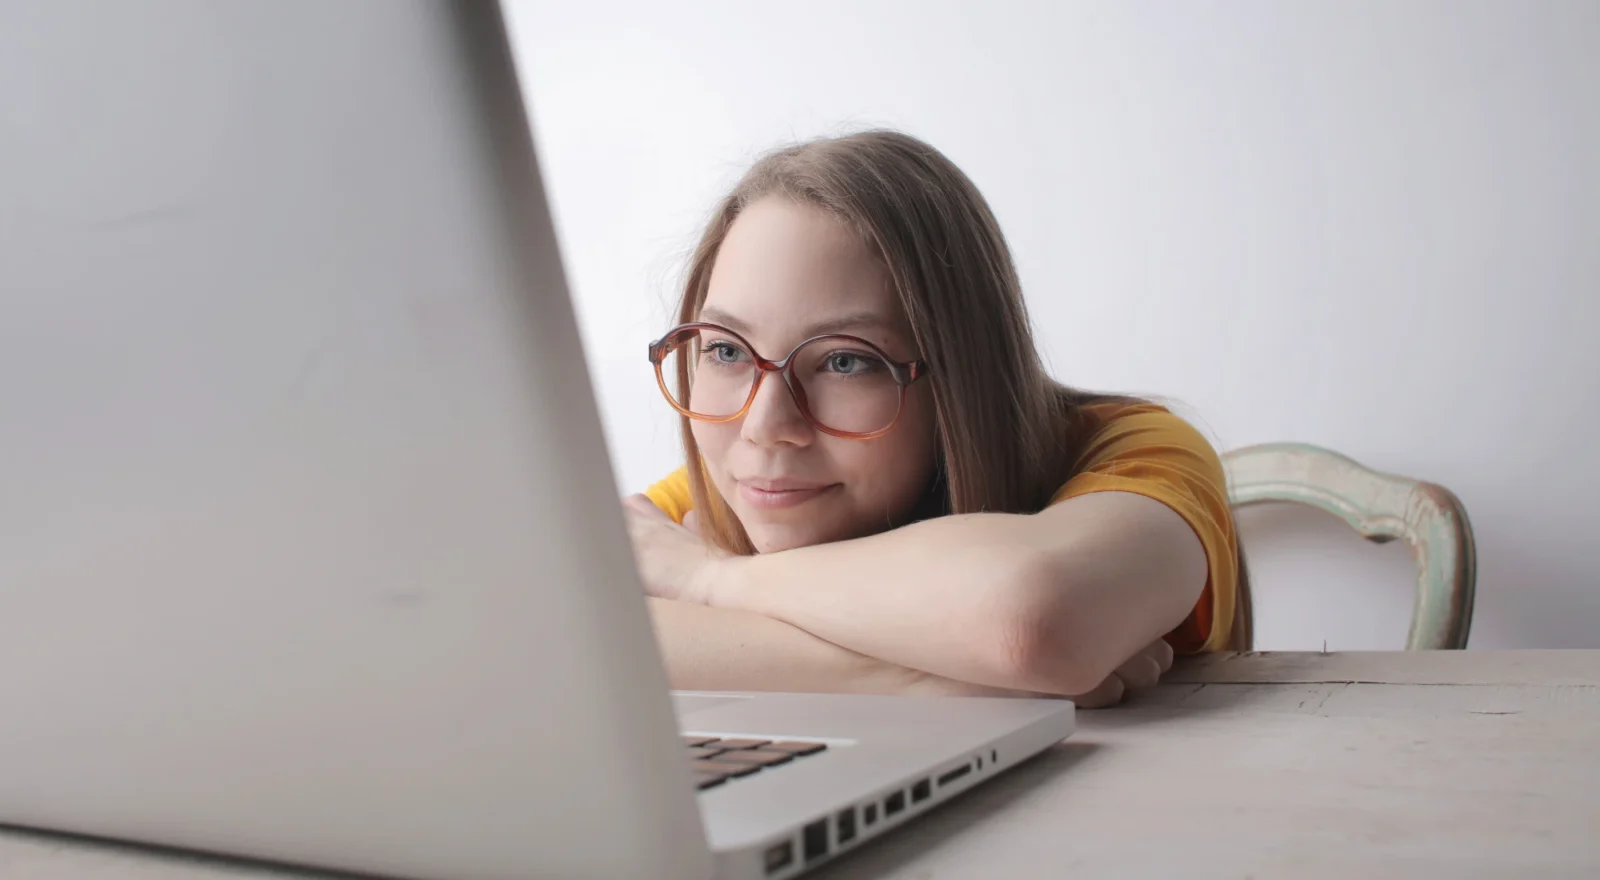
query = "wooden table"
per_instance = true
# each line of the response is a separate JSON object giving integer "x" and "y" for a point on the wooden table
{"x": 1429, "y": 764}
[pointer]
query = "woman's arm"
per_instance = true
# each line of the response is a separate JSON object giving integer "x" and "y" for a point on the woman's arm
{"x": 1050, "y": 602}
{"x": 724, "y": 649}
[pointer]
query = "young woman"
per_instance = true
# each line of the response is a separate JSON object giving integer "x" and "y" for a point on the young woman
{"x": 884, "y": 491}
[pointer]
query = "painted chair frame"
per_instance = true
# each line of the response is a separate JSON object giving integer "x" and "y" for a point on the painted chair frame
{"x": 1381, "y": 508}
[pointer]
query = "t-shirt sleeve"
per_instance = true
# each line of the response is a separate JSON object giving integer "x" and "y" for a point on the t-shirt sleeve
{"x": 672, "y": 495}
{"x": 1149, "y": 451}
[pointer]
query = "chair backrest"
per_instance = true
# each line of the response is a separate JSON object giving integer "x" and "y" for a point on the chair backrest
{"x": 1380, "y": 507}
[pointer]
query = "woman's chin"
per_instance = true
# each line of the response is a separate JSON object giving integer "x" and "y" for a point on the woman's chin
{"x": 772, "y": 537}
{"x": 774, "y": 540}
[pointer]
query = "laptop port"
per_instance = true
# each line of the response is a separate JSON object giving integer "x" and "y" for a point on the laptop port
{"x": 815, "y": 840}
{"x": 845, "y": 825}
{"x": 894, "y": 803}
{"x": 869, "y": 815}
{"x": 779, "y": 856}
{"x": 920, "y": 791}
{"x": 953, "y": 775}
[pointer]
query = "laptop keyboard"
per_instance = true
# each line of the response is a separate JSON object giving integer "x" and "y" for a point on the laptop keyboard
{"x": 716, "y": 761}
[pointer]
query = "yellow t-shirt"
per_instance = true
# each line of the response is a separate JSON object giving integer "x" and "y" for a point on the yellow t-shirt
{"x": 1146, "y": 450}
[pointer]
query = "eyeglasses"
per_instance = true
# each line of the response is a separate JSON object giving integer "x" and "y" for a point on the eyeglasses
{"x": 842, "y": 385}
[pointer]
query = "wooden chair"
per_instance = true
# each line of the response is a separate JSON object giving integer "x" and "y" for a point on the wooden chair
{"x": 1380, "y": 507}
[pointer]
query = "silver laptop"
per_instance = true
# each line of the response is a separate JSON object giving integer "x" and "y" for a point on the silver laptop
{"x": 310, "y": 550}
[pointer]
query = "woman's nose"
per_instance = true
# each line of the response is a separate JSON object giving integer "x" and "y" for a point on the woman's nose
{"x": 774, "y": 416}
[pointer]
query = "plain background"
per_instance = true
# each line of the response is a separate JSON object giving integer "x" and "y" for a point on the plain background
{"x": 1374, "y": 226}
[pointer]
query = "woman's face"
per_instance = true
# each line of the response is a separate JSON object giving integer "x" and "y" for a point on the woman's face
{"x": 785, "y": 273}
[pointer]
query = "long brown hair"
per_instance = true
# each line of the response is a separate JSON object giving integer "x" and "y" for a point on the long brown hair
{"x": 1009, "y": 435}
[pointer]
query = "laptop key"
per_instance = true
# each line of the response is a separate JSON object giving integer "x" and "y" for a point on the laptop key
{"x": 727, "y": 770}
{"x": 755, "y": 757}
{"x": 797, "y": 749}
{"x": 704, "y": 781}
{"x": 716, "y": 760}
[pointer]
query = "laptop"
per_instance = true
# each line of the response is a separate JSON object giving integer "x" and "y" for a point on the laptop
{"x": 312, "y": 550}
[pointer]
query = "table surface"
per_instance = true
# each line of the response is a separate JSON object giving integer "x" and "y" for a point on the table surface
{"x": 1451, "y": 764}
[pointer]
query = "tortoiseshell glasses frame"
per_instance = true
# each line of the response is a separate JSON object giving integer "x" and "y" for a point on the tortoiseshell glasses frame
{"x": 904, "y": 373}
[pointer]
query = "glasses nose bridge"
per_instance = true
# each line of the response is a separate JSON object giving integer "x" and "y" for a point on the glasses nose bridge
{"x": 782, "y": 368}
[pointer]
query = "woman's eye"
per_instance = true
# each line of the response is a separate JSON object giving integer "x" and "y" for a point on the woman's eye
{"x": 722, "y": 352}
{"x": 849, "y": 363}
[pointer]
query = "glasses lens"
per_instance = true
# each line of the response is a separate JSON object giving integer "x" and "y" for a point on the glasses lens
{"x": 708, "y": 372}
{"x": 848, "y": 386}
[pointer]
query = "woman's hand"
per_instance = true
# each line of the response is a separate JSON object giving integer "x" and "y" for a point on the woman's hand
{"x": 674, "y": 561}
{"x": 1143, "y": 670}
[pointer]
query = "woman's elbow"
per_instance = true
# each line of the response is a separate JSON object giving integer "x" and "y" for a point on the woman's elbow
{"x": 1048, "y": 664}
{"x": 1065, "y": 632}
{"x": 1043, "y": 646}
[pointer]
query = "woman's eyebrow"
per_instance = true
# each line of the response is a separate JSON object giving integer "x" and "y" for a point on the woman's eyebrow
{"x": 851, "y": 322}
{"x": 714, "y": 315}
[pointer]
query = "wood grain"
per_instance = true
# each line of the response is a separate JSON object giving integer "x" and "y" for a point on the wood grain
{"x": 1404, "y": 764}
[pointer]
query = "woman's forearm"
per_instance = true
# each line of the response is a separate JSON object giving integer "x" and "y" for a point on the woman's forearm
{"x": 1048, "y": 602}
{"x": 929, "y": 596}
{"x": 707, "y": 648}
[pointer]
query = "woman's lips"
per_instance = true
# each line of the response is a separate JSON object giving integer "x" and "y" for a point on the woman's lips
{"x": 780, "y": 494}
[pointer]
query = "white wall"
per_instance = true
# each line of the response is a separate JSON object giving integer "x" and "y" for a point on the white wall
{"x": 1373, "y": 226}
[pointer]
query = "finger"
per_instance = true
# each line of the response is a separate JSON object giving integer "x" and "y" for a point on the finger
{"x": 1140, "y": 672}
{"x": 1162, "y": 652}
{"x": 691, "y": 521}
{"x": 1107, "y": 693}
{"x": 642, "y": 505}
